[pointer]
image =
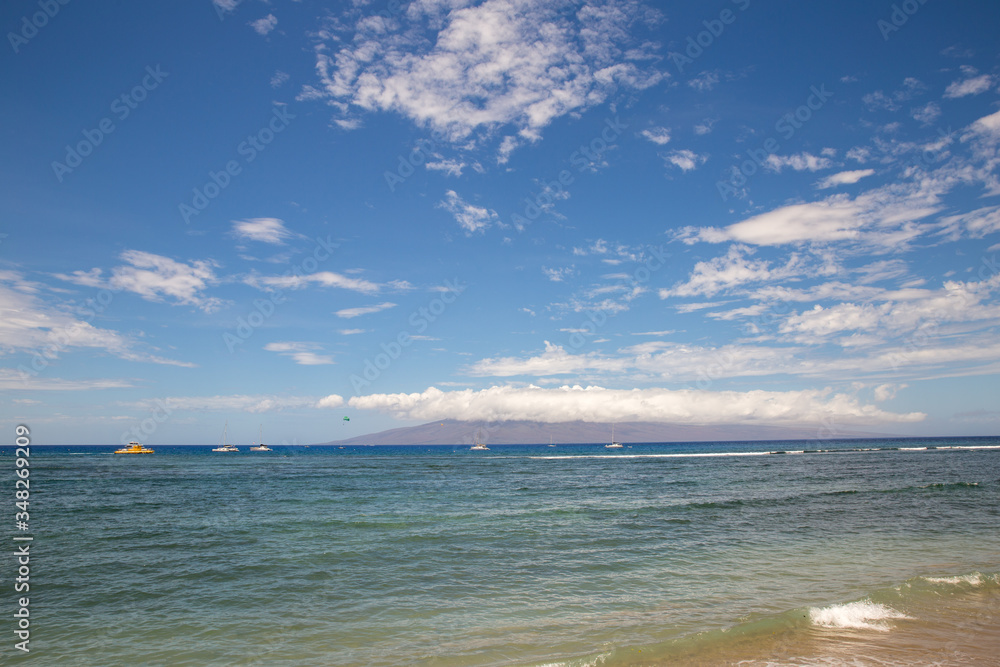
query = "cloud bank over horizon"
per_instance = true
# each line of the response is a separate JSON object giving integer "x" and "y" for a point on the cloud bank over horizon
{"x": 597, "y": 404}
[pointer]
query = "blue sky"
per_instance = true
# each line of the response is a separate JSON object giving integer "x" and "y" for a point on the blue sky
{"x": 284, "y": 213}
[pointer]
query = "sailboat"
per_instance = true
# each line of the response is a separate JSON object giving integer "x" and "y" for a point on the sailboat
{"x": 224, "y": 447}
{"x": 260, "y": 446}
{"x": 479, "y": 447}
{"x": 613, "y": 445}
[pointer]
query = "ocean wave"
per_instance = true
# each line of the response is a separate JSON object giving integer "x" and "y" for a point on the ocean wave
{"x": 932, "y": 487}
{"x": 652, "y": 456}
{"x": 759, "y": 453}
{"x": 861, "y": 615}
{"x": 950, "y": 485}
{"x": 974, "y": 580}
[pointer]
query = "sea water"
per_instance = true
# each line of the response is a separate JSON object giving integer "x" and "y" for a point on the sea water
{"x": 778, "y": 553}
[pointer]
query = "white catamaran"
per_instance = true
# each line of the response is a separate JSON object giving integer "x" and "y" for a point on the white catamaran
{"x": 479, "y": 447}
{"x": 260, "y": 446}
{"x": 613, "y": 445}
{"x": 224, "y": 447}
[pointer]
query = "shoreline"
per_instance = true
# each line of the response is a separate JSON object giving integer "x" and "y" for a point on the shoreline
{"x": 940, "y": 620}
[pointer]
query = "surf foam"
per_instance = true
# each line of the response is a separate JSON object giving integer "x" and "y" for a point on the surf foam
{"x": 862, "y": 615}
{"x": 975, "y": 579}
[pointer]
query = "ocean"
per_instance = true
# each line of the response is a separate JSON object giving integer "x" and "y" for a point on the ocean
{"x": 853, "y": 552}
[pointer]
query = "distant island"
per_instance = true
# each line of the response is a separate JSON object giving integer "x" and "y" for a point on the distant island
{"x": 455, "y": 432}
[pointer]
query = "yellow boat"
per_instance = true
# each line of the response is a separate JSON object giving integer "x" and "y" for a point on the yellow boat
{"x": 134, "y": 448}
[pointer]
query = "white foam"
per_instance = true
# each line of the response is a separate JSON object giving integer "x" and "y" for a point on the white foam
{"x": 863, "y": 615}
{"x": 651, "y": 456}
{"x": 974, "y": 579}
{"x": 727, "y": 454}
{"x": 970, "y": 447}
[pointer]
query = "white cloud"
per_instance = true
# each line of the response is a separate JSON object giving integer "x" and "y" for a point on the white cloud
{"x": 829, "y": 220}
{"x": 506, "y": 148}
{"x": 598, "y": 247}
{"x": 658, "y": 135}
{"x": 885, "y": 392}
{"x": 799, "y": 162}
{"x": 449, "y": 167}
{"x": 14, "y": 380}
{"x": 331, "y": 401}
{"x": 844, "y": 178}
{"x": 27, "y": 325}
{"x": 736, "y": 268}
{"x": 553, "y": 361}
{"x": 859, "y": 153}
{"x": 457, "y": 68}
{"x": 349, "y": 313}
{"x": 927, "y": 114}
{"x": 558, "y": 275}
{"x": 304, "y": 354}
{"x": 225, "y": 6}
{"x": 351, "y": 332}
{"x": 974, "y": 224}
{"x": 880, "y": 217}
{"x": 323, "y": 278}
{"x": 264, "y": 25}
{"x": 705, "y": 127}
{"x": 597, "y": 404}
{"x": 693, "y": 307}
{"x": 970, "y": 85}
{"x": 471, "y": 218}
{"x": 900, "y": 312}
{"x": 155, "y": 278}
{"x": 704, "y": 81}
{"x": 987, "y": 127}
{"x": 265, "y": 230}
{"x": 249, "y": 403}
{"x": 279, "y": 79}
{"x": 685, "y": 159}
{"x": 890, "y": 102}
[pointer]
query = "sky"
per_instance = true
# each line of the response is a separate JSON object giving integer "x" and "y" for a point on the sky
{"x": 278, "y": 214}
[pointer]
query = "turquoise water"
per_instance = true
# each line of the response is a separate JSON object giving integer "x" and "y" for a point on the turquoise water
{"x": 522, "y": 555}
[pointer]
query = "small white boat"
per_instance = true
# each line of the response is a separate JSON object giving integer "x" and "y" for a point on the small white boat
{"x": 261, "y": 447}
{"x": 479, "y": 447}
{"x": 224, "y": 447}
{"x": 613, "y": 445}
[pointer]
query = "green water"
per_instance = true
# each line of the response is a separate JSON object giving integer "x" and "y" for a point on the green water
{"x": 523, "y": 555}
